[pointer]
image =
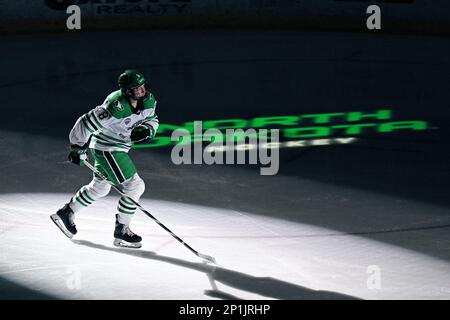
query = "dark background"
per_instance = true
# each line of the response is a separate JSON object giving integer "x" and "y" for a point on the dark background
{"x": 388, "y": 187}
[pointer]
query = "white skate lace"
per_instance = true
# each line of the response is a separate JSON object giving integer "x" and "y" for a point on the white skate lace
{"x": 128, "y": 231}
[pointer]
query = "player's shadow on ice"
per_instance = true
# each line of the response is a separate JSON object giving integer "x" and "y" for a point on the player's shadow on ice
{"x": 264, "y": 286}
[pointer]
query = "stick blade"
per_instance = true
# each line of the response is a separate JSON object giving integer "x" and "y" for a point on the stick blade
{"x": 207, "y": 258}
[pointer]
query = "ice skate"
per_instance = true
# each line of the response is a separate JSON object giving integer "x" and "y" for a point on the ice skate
{"x": 63, "y": 219}
{"x": 124, "y": 237}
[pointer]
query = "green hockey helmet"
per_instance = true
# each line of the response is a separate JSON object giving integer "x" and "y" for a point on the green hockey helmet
{"x": 130, "y": 79}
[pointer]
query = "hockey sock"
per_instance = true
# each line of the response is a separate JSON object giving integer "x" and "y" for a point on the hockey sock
{"x": 126, "y": 209}
{"x": 82, "y": 199}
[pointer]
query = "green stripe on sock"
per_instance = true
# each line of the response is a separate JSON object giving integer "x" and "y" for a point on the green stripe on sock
{"x": 87, "y": 196}
{"x": 124, "y": 207}
{"x": 127, "y": 201}
{"x": 124, "y": 211}
{"x": 80, "y": 201}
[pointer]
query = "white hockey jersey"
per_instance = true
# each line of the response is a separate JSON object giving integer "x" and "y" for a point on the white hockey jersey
{"x": 109, "y": 125}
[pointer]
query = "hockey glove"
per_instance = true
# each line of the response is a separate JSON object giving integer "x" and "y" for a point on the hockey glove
{"x": 77, "y": 154}
{"x": 141, "y": 134}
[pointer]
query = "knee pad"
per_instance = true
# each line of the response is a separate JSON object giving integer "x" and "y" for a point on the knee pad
{"x": 99, "y": 188}
{"x": 134, "y": 187}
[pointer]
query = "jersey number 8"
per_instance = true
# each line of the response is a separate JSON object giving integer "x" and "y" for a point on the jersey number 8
{"x": 103, "y": 115}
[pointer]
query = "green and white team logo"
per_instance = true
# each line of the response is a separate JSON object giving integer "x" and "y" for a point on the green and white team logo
{"x": 119, "y": 105}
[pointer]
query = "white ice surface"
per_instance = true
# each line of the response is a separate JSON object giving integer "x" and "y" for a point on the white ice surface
{"x": 258, "y": 257}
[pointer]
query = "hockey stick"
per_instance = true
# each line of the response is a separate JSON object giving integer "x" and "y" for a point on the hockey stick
{"x": 198, "y": 254}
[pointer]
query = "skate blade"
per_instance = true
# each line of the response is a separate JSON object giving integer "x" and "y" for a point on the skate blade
{"x": 57, "y": 220}
{"x": 123, "y": 244}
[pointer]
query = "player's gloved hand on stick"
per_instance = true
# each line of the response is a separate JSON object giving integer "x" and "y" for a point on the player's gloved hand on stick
{"x": 141, "y": 134}
{"x": 78, "y": 154}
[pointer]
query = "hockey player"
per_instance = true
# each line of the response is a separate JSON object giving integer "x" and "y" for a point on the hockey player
{"x": 126, "y": 116}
